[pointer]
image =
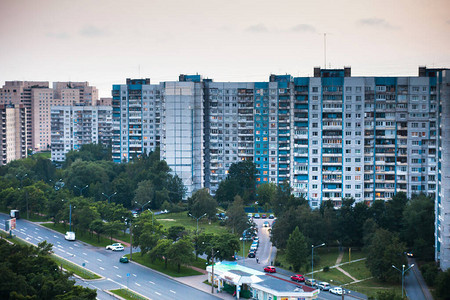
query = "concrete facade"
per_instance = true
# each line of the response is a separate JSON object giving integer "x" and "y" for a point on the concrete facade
{"x": 13, "y": 139}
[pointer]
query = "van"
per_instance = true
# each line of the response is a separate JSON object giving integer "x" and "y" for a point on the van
{"x": 14, "y": 213}
{"x": 70, "y": 236}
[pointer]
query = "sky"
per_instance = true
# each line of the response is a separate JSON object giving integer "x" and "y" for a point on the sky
{"x": 105, "y": 42}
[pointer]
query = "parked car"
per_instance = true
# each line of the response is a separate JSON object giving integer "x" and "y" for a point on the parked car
{"x": 263, "y": 216}
{"x": 298, "y": 278}
{"x": 115, "y": 247}
{"x": 324, "y": 286}
{"x": 270, "y": 269}
{"x": 271, "y": 216}
{"x": 254, "y": 247}
{"x": 252, "y": 254}
{"x": 336, "y": 290}
{"x": 256, "y": 216}
{"x": 249, "y": 215}
{"x": 266, "y": 224}
{"x": 124, "y": 259}
{"x": 70, "y": 236}
{"x": 311, "y": 282}
{"x": 255, "y": 238}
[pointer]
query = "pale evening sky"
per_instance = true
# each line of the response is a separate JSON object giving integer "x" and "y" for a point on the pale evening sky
{"x": 105, "y": 42}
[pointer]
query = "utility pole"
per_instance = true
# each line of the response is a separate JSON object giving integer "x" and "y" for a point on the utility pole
{"x": 131, "y": 239}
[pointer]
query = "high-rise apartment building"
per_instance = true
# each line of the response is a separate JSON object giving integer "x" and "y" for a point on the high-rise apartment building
{"x": 331, "y": 136}
{"x": 38, "y": 98}
{"x": 13, "y": 139}
{"x": 73, "y": 126}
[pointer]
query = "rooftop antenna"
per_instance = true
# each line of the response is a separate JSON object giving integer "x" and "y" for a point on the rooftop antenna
{"x": 325, "y": 49}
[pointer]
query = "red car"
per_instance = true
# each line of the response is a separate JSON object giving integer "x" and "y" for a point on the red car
{"x": 298, "y": 278}
{"x": 270, "y": 269}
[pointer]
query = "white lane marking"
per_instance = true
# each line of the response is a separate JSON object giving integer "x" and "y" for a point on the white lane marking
{"x": 36, "y": 229}
{"x": 68, "y": 253}
{"x": 173, "y": 292}
{"x": 58, "y": 242}
{"x": 76, "y": 245}
{"x": 159, "y": 294}
{"x": 99, "y": 259}
{"x": 134, "y": 275}
{"x": 55, "y": 236}
{"x": 116, "y": 282}
{"x": 39, "y": 237}
{"x": 28, "y": 239}
{"x": 86, "y": 261}
{"x": 60, "y": 246}
{"x": 151, "y": 282}
{"x": 102, "y": 268}
{"x": 21, "y": 229}
{"x": 118, "y": 276}
{"x": 70, "y": 248}
{"x": 62, "y": 250}
{"x": 137, "y": 284}
{"x": 30, "y": 236}
{"x": 116, "y": 267}
{"x": 46, "y": 237}
{"x": 84, "y": 253}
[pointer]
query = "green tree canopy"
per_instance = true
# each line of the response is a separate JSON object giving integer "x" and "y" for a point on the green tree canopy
{"x": 297, "y": 249}
{"x": 202, "y": 202}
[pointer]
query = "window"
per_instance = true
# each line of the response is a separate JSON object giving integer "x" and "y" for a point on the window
{"x": 315, "y": 89}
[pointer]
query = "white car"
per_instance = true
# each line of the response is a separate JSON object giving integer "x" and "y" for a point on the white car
{"x": 324, "y": 286}
{"x": 115, "y": 247}
{"x": 336, "y": 290}
{"x": 70, "y": 236}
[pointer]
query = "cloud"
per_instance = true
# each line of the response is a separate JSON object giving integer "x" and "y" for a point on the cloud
{"x": 57, "y": 35}
{"x": 258, "y": 28}
{"x": 303, "y": 28}
{"x": 376, "y": 22}
{"x": 92, "y": 31}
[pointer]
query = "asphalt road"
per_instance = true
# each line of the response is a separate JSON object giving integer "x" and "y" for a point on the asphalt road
{"x": 415, "y": 286}
{"x": 266, "y": 254}
{"x": 106, "y": 263}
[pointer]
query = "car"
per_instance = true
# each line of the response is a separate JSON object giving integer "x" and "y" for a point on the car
{"x": 271, "y": 216}
{"x": 254, "y": 247}
{"x": 118, "y": 248}
{"x": 298, "y": 278}
{"x": 270, "y": 269}
{"x": 249, "y": 215}
{"x": 252, "y": 254}
{"x": 255, "y": 238}
{"x": 256, "y": 216}
{"x": 115, "y": 247}
{"x": 266, "y": 224}
{"x": 70, "y": 236}
{"x": 410, "y": 254}
{"x": 124, "y": 259}
{"x": 311, "y": 282}
{"x": 336, "y": 290}
{"x": 263, "y": 216}
{"x": 324, "y": 286}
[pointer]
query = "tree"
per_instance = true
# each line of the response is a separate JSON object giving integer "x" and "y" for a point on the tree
{"x": 147, "y": 241}
{"x": 161, "y": 250}
{"x": 244, "y": 173}
{"x": 202, "y": 202}
{"x": 394, "y": 211}
{"x": 176, "y": 188}
{"x": 384, "y": 251}
{"x": 297, "y": 249}
{"x": 181, "y": 252}
{"x": 144, "y": 193}
{"x": 176, "y": 232}
{"x": 237, "y": 220}
{"x": 266, "y": 193}
{"x": 97, "y": 227}
{"x": 418, "y": 226}
{"x": 227, "y": 244}
{"x": 226, "y": 191}
{"x": 112, "y": 228}
{"x": 442, "y": 284}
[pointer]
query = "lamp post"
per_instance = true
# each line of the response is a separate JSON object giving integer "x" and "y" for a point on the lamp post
{"x": 312, "y": 258}
{"x": 109, "y": 197}
{"x": 197, "y": 219}
{"x": 142, "y": 206}
{"x": 213, "y": 253}
{"x": 81, "y": 189}
{"x": 403, "y": 271}
{"x": 70, "y": 217}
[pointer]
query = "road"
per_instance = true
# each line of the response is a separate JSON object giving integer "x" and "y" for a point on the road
{"x": 415, "y": 286}
{"x": 106, "y": 263}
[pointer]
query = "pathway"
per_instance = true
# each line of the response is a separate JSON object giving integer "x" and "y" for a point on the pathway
{"x": 338, "y": 264}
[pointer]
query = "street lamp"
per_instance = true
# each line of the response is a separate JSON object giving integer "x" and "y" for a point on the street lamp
{"x": 81, "y": 189}
{"x": 212, "y": 266}
{"x": 142, "y": 206}
{"x": 197, "y": 219}
{"x": 403, "y": 271}
{"x": 312, "y": 258}
{"x": 109, "y": 197}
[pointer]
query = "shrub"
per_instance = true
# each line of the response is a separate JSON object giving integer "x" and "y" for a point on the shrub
{"x": 429, "y": 273}
{"x": 326, "y": 269}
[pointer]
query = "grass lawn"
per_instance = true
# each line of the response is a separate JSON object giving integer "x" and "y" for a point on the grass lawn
{"x": 370, "y": 287}
{"x": 182, "y": 219}
{"x": 127, "y": 294}
{"x": 355, "y": 253}
{"x": 333, "y": 276}
{"x": 357, "y": 269}
{"x": 158, "y": 265}
{"x": 326, "y": 257}
{"x": 200, "y": 263}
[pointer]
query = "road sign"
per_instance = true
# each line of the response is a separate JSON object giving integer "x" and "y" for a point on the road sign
{"x": 13, "y": 223}
{"x": 128, "y": 274}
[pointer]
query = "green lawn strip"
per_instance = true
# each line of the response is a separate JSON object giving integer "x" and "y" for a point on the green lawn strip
{"x": 127, "y": 294}
{"x": 333, "y": 276}
{"x": 372, "y": 286}
{"x": 74, "y": 268}
{"x": 357, "y": 269}
{"x": 182, "y": 219}
{"x": 158, "y": 265}
{"x": 200, "y": 263}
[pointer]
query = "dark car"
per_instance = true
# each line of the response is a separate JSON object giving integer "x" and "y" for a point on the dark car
{"x": 256, "y": 216}
{"x": 298, "y": 278}
{"x": 270, "y": 269}
{"x": 123, "y": 259}
{"x": 271, "y": 216}
{"x": 263, "y": 216}
{"x": 252, "y": 254}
